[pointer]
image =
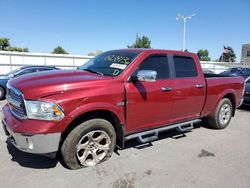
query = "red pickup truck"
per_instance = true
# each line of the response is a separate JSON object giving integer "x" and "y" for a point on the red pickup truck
{"x": 116, "y": 96}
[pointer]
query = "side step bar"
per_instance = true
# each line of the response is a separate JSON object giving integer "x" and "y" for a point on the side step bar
{"x": 150, "y": 135}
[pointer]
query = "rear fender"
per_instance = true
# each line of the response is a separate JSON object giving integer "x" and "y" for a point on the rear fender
{"x": 230, "y": 94}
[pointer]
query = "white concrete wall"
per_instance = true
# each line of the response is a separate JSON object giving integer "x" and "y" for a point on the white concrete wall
{"x": 12, "y": 60}
{"x": 216, "y": 67}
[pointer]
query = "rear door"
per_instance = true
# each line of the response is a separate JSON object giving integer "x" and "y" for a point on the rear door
{"x": 189, "y": 91}
{"x": 149, "y": 104}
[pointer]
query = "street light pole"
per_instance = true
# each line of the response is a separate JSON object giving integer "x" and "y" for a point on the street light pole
{"x": 185, "y": 19}
{"x": 184, "y": 35}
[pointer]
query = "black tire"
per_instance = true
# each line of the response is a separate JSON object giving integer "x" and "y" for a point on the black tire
{"x": 214, "y": 118}
{"x": 2, "y": 93}
{"x": 68, "y": 149}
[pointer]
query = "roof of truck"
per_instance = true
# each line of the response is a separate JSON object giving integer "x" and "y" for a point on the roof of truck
{"x": 156, "y": 51}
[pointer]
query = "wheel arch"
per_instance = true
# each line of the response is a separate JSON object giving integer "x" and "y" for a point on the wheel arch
{"x": 103, "y": 114}
{"x": 232, "y": 98}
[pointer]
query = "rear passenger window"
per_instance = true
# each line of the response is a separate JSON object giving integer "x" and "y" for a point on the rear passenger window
{"x": 184, "y": 67}
{"x": 158, "y": 63}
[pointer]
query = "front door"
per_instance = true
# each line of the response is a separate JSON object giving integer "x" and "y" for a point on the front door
{"x": 149, "y": 104}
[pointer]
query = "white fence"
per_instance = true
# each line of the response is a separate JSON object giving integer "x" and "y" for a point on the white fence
{"x": 12, "y": 60}
{"x": 218, "y": 67}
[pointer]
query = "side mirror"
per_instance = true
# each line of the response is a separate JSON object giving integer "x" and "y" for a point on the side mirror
{"x": 147, "y": 75}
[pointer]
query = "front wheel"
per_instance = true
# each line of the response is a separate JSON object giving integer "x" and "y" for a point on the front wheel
{"x": 222, "y": 115}
{"x": 90, "y": 143}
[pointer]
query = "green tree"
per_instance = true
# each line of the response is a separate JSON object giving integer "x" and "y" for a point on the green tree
{"x": 4, "y": 43}
{"x": 141, "y": 42}
{"x": 59, "y": 50}
{"x": 228, "y": 55}
{"x": 203, "y": 55}
{"x": 17, "y": 49}
{"x": 97, "y": 52}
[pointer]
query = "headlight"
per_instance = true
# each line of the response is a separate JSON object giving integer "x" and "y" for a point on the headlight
{"x": 44, "y": 110}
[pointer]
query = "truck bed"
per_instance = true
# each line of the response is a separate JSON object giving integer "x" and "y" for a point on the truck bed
{"x": 210, "y": 75}
{"x": 218, "y": 86}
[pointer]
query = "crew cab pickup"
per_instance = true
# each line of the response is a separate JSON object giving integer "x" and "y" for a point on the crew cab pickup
{"x": 116, "y": 96}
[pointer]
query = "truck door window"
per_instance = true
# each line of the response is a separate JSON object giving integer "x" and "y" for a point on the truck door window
{"x": 184, "y": 67}
{"x": 158, "y": 63}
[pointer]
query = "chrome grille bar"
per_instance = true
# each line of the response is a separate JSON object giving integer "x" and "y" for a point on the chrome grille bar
{"x": 16, "y": 102}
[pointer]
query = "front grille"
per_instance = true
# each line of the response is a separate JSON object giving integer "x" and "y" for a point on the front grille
{"x": 16, "y": 102}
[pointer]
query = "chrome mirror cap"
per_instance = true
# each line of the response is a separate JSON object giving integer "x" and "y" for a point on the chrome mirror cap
{"x": 147, "y": 75}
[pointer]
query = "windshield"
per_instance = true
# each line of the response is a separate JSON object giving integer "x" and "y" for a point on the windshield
{"x": 234, "y": 70}
{"x": 13, "y": 72}
{"x": 245, "y": 70}
{"x": 111, "y": 63}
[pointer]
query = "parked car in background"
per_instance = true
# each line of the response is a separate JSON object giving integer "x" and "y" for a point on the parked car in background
{"x": 247, "y": 92}
{"x": 207, "y": 71}
{"x": 18, "y": 72}
{"x": 245, "y": 72}
{"x": 232, "y": 71}
{"x": 237, "y": 71}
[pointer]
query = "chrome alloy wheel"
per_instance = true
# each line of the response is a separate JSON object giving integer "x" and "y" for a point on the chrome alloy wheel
{"x": 93, "y": 147}
{"x": 225, "y": 114}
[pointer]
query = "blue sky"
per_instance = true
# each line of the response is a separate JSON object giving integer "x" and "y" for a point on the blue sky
{"x": 89, "y": 25}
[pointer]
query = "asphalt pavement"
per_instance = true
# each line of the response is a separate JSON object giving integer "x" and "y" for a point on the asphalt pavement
{"x": 201, "y": 158}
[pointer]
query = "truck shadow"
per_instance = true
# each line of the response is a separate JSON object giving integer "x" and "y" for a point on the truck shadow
{"x": 30, "y": 160}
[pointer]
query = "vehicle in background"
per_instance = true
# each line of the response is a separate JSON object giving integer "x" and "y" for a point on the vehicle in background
{"x": 118, "y": 95}
{"x": 18, "y": 72}
{"x": 237, "y": 71}
{"x": 247, "y": 92}
{"x": 232, "y": 71}
{"x": 245, "y": 72}
{"x": 207, "y": 71}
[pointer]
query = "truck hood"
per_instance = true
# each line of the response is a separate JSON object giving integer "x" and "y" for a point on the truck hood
{"x": 42, "y": 84}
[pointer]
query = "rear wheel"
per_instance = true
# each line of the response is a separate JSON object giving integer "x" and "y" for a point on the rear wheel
{"x": 222, "y": 115}
{"x": 90, "y": 143}
{"x": 2, "y": 93}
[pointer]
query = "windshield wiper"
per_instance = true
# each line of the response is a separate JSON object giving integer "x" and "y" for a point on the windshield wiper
{"x": 93, "y": 71}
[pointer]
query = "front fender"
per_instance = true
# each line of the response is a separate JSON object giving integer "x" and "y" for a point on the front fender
{"x": 81, "y": 110}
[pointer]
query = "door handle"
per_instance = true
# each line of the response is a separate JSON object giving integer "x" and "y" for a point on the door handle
{"x": 199, "y": 86}
{"x": 166, "y": 89}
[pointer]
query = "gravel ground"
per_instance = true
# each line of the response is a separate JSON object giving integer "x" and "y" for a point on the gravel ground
{"x": 201, "y": 158}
